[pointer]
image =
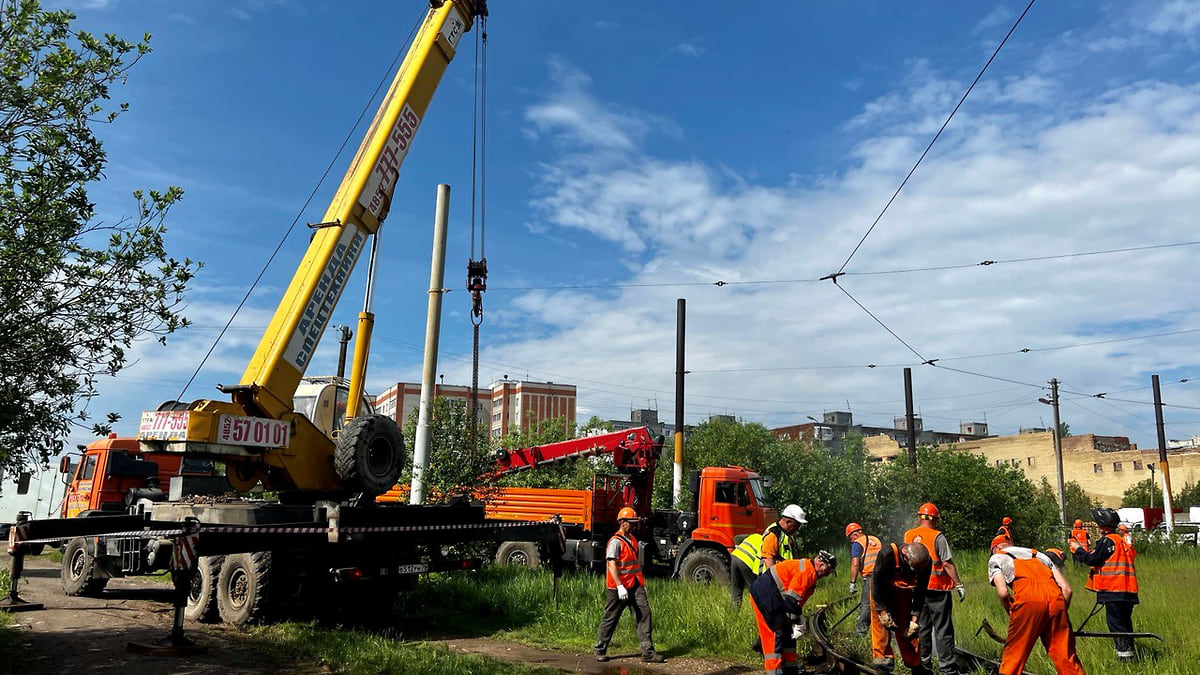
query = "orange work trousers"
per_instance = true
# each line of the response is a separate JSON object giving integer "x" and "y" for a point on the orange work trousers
{"x": 900, "y": 607}
{"x": 779, "y": 649}
{"x": 1039, "y": 613}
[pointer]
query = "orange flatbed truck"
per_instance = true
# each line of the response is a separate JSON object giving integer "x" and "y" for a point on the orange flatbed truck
{"x": 694, "y": 544}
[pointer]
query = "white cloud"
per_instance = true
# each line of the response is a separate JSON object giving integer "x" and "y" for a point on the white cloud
{"x": 1175, "y": 16}
{"x": 1003, "y": 183}
{"x": 693, "y": 49}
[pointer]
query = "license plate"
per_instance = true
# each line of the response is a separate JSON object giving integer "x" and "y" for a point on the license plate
{"x": 255, "y": 432}
{"x": 417, "y": 568}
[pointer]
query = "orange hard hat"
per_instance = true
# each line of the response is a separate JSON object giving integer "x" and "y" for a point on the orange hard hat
{"x": 1006, "y": 521}
{"x": 1123, "y": 527}
{"x": 627, "y": 514}
{"x": 928, "y": 509}
{"x": 1000, "y": 539}
{"x": 852, "y": 528}
{"x": 1078, "y": 523}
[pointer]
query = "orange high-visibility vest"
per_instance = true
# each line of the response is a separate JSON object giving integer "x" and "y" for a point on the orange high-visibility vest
{"x": 1117, "y": 574}
{"x": 1081, "y": 535}
{"x": 870, "y": 546}
{"x": 627, "y": 564}
{"x": 939, "y": 578}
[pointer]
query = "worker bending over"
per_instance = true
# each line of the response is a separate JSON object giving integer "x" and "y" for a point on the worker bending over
{"x": 1036, "y": 596}
{"x": 937, "y": 620}
{"x": 1005, "y": 528}
{"x": 863, "y": 550}
{"x": 1112, "y": 577}
{"x": 748, "y": 556}
{"x": 898, "y": 590}
{"x": 778, "y": 596}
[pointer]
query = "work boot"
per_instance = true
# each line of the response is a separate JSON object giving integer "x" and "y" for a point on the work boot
{"x": 654, "y": 657}
{"x": 756, "y": 646}
{"x": 601, "y": 656}
{"x": 884, "y": 666}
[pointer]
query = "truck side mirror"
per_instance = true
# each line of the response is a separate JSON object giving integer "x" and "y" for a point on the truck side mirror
{"x": 64, "y": 464}
{"x": 768, "y": 481}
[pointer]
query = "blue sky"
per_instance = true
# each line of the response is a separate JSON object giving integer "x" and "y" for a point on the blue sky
{"x": 646, "y": 150}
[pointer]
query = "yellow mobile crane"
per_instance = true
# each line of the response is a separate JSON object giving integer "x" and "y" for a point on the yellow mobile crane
{"x": 259, "y": 434}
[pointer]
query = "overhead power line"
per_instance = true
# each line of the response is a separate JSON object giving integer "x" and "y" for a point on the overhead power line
{"x": 934, "y": 139}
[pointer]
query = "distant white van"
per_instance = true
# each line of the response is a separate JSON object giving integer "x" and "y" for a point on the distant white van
{"x": 38, "y": 490}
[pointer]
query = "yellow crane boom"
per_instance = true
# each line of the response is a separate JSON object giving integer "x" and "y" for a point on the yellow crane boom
{"x": 258, "y": 434}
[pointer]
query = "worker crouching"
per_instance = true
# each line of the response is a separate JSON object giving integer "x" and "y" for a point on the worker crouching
{"x": 898, "y": 590}
{"x": 778, "y": 596}
{"x": 1036, "y": 596}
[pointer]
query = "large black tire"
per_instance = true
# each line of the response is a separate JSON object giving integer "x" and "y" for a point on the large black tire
{"x": 705, "y": 566}
{"x": 79, "y": 576}
{"x": 370, "y": 454}
{"x": 243, "y": 587}
{"x": 519, "y": 553}
{"x": 202, "y": 596}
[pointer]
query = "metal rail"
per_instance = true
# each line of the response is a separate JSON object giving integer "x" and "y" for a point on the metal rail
{"x": 840, "y": 663}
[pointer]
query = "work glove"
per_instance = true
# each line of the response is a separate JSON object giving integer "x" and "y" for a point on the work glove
{"x": 622, "y": 593}
{"x": 797, "y": 631}
{"x": 1074, "y": 545}
{"x": 853, "y": 587}
{"x": 962, "y": 592}
{"x": 885, "y": 619}
{"x": 913, "y": 627}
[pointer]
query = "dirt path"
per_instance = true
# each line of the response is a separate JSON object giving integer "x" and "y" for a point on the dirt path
{"x": 90, "y": 635}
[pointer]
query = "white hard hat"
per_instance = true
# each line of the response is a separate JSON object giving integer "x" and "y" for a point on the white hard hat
{"x": 795, "y": 513}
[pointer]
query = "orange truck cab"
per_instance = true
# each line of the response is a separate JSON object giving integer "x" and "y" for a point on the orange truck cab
{"x": 695, "y": 544}
{"x": 113, "y": 473}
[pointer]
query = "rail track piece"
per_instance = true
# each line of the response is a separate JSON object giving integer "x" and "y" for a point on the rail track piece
{"x": 840, "y": 663}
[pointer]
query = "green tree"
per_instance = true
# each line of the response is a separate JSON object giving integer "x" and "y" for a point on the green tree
{"x": 1064, "y": 429}
{"x": 76, "y": 291}
{"x": 1079, "y": 503}
{"x": 1139, "y": 494}
{"x": 454, "y": 463}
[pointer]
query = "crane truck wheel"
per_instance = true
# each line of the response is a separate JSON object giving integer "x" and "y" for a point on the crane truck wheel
{"x": 370, "y": 454}
{"x": 202, "y": 595}
{"x": 243, "y": 586}
{"x": 704, "y": 566}
{"x": 520, "y": 554}
{"x": 79, "y": 577}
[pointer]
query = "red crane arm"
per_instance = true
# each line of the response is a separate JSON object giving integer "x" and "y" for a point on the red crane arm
{"x": 631, "y": 449}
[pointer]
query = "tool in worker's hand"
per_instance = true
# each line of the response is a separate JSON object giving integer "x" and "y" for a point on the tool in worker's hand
{"x": 1080, "y": 632}
{"x": 986, "y": 627}
{"x": 913, "y": 627}
{"x": 845, "y": 616}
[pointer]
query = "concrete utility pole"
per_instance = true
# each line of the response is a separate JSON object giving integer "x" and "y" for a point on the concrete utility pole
{"x": 910, "y": 420}
{"x": 1168, "y": 502}
{"x": 1062, "y": 495}
{"x": 437, "y": 278}
{"x": 677, "y": 478}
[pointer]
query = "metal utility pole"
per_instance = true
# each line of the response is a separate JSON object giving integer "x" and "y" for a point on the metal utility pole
{"x": 437, "y": 278}
{"x": 1168, "y": 502}
{"x": 1062, "y": 495}
{"x": 677, "y": 478}
{"x": 910, "y": 420}
{"x": 344, "y": 339}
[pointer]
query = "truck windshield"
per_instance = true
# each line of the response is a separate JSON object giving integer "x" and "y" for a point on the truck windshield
{"x": 756, "y": 487}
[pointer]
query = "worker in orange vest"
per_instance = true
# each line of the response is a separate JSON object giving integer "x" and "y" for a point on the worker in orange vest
{"x": 898, "y": 589}
{"x": 1123, "y": 530}
{"x": 626, "y": 588}
{"x": 1036, "y": 596}
{"x": 1081, "y": 535}
{"x": 778, "y": 596}
{"x": 1113, "y": 578}
{"x": 1005, "y": 529}
{"x": 863, "y": 550}
{"x": 937, "y": 619}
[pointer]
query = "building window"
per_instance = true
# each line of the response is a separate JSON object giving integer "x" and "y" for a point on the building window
{"x": 999, "y": 463}
{"x": 1097, "y": 468}
{"x": 1013, "y": 462}
{"x": 1137, "y": 465}
{"x": 1117, "y": 466}
{"x": 1028, "y": 461}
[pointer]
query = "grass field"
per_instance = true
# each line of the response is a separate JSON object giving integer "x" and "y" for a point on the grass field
{"x": 698, "y": 621}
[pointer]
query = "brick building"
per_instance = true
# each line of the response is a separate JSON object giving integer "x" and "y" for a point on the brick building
{"x": 401, "y": 399}
{"x": 520, "y": 404}
{"x": 1104, "y": 466}
{"x": 837, "y": 425}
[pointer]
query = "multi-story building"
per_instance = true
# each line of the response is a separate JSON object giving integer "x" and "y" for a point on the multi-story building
{"x": 645, "y": 417}
{"x": 837, "y": 425}
{"x": 517, "y": 404}
{"x": 400, "y": 400}
{"x": 1104, "y": 466}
